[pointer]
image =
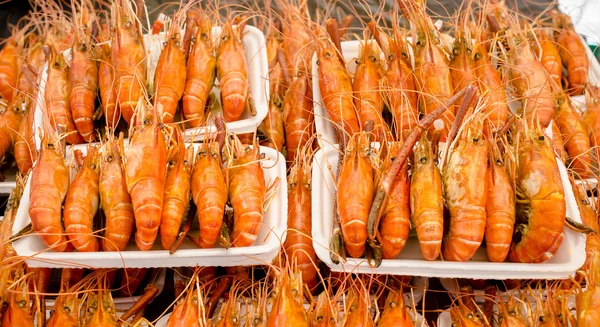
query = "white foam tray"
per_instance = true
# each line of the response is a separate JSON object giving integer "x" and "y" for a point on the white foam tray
{"x": 10, "y": 180}
{"x": 569, "y": 257}
{"x": 258, "y": 73}
{"x": 264, "y": 250}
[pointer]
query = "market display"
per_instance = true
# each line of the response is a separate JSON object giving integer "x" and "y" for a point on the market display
{"x": 151, "y": 192}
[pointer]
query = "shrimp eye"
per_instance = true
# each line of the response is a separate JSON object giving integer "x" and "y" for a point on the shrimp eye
{"x": 234, "y": 320}
{"x": 164, "y": 44}
{"x": 423, "y": 160}
{"x": 453, "y": 324}
{"x": 195, "y": 300}
{"x": 541, "y": 318}
{"x": 294, "y": 292}
{"x": 393, "y": 304}
{"x": 204, "y": 36}
{"x": 185, "y": 162}
{"x": 109, "y": 158}
{"x": 512, "y": 313}
{"x": 292, "y": 184}
{"x": 83, "y": 47}
{"x": 372, "y": 58}
{"x": 318, "y": 62}
{"x": 91, "y": 310}
{"x": 559, "y": 316}
{"x": 456, "y": 51}
{"x": 477, "y": 56}
{"x": 541, "y": 137}
{"x": 391, "y": 57}
{"x": 108, "y": 309}
{"x": 328, "y": 55}
{"x": 128, "y": 24}
{"x": 177, "y": 44}
{"x": 146, "y": 122}
{"x": 257, "y": 321}
{"x": 332, "y": 320}
{"x": 469, "y": 51}
{"x": 470, "y": 316}
{"x": 22, "y": 303}
{"x": 319, "y": 318}
{"x": 50, "y": 146}
{"x": 500, "y": 317}
{"x": 475, "y": 139}
{"x": 66, "y": 309}
{"x": 225, "y": 38}
{"x": 404, "y": 55}
{"x": 93, "y": 166}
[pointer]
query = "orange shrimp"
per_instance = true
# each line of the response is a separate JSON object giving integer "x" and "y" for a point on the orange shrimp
{"x": 81, "y": 203}
{"x": 572, "y": 51}
{"x": 287, "y": 309}
{"x": 492, "y": 88}
{"x": 395, "y": 220}
{"x": 170, "y": 75}
{"x": 591, "y": 116}
{"x": 298, "y": 116}
{"x": 99, "y": 308}
{"x": 56, "y": 95}
{"x": 83, "y": 75}
{"x": 530, "y": 81}
{"x": 572, "y": 129}
{"x": 462, "y": 316}
{"x": 355, "y": 192}
{"x": 588, "y": 300}
{"x": 395, "y": 312}
{"x": 550, "y": 58}
{"x": 9, "y": 68}
{"x": 273, "y": 124}
{"x": 114, "y": 197}
{"x": 66, "y": 309}
{"x": 589, "y": 218}
{"x": 367, "y": 99}
{"x": 24, "y": 149}
{"x": 510, "y": 314}
{"x": 465, "y": 193}
{"x": 200, "y": 75}
{"x": 399, "y": 79}
{"x": 229, "y": 315}
{"x": 145, "y": 173}
{"x": 187, "y": 312}
{"x": 106, "y": 86}
{"x": 48, "y": 189}
{"x": 426, "y": 202}
{"x": 335, "y": 85}
{"x": 298, "y": 244}
{"x": 177, "y": 191}
{"x": 232, "y": 71}
{"x": 128, "y": 58}
{"x": 10, "y": 120}
{"x": 541, "y": 206}
{"x": 247, "y": 191}
{"x": 296, "y": 37}
{"x": 209, "y": 192}
{"x": 434, "y": 79}
{"x": 325, "y": 313}
{"x": 462, "y": 63}
{"x": 558, "y": 145}
{"x": 500, "y": 207}
{"x": 18, "y": 312}
{"x": 357, "y": 311}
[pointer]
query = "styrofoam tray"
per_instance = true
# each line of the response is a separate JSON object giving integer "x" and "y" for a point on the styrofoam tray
{"x": 258, "y": 73}
{"x": 264, "y": 250}
{"x": 10, "y": 180}
{"x": 569, "y": 257}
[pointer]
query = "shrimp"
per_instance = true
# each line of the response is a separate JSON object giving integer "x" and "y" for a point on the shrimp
{"x": 395, "y": 222}
{"x": 509, "y": 314}
{"x": 18, "y": 311}
{"x": 115, "y": 200}
{"x": 83, "y": 76}
{"x": 500, "y": 207}
{"x": 177, "y": 191}
{"x": 572, "y": 51}
{"x": 426, "y": 201}
{"x": 145, "y": 174}
{"x": 399, "y": 79}
{"x": 209, "y": 192}
{"x": 491, "y": 87}
{"x": 107, "y": 87}
{"x": 588, "y": 299}
{"x": 66, "y": 309}
{"x": 577, "y": 141}
{"x": 541, "y": 206}
{"x": 287, "y": 309}
{"x": 296, "y": 41}
{"x": 170, "y": 76}
{"x": 200, "y": 75}
{"x": 367, "y": 100}
{"x": 335, "y": 85}
{"x": 100, "y": 308}
{"x": 465, "y": 193}
{"x": 355, "y": 192}
{"x": 395, "y": 312}
{"x": 298, "y": 116}
{"x": 432, "y": 70}
{"x": 558, "y": 145}
{"x": 232, "y": 71}
{"x": 128, "y": 56}
{"x": 81, "y": 203}
{"x": 462, "y": 63}
{"x": 24, "y": 149}
{"x": 591, "y": 116}
{"x": 550, "y": 58}
{"x": 298, "y": 245}
{"x": 10, "y": 120}
{"x": 188, "y": 311}
{"x": 247, "y": 191}
{"x": 357, "y": 308}
{"x": 229, "y": 315}
{"x": 56, "y": 95}
{"x": 325, "y": 313}
{"x": 49, "y": 185}
{"x": 9, "y": 67}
